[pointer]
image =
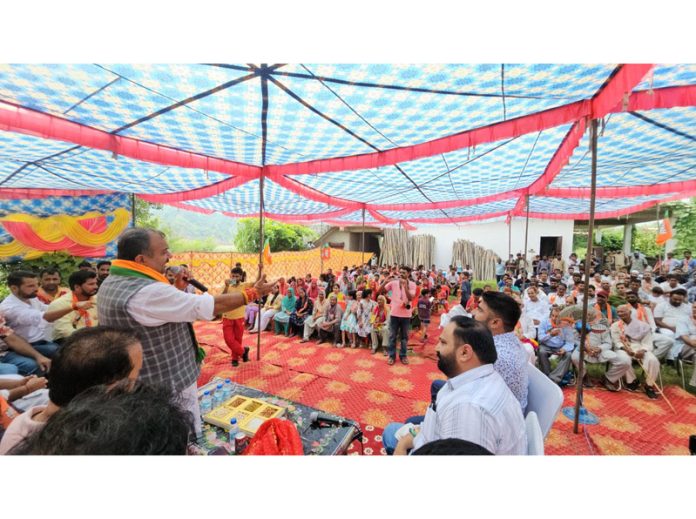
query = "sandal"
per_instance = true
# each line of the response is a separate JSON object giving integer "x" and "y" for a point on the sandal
{"x": 391, "y": 361}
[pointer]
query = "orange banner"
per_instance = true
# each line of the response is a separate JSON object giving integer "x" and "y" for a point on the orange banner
{"x": 213, "y": 268}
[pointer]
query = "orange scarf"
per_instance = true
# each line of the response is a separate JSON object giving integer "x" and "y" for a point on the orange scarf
{"x": 640, "y": 311}
{"x": 81, "y": 313}
{"x": 608, "y": 312}
{"x": 139, "y": 268}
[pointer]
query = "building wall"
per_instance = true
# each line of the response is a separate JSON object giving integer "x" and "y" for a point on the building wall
{"x": 494, "y": 236}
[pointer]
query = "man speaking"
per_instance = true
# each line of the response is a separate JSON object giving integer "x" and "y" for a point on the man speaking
{"x": 137, "y": 296}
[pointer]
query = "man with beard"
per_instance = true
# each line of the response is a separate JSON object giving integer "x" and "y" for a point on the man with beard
{"x": 557, "y": 298}
{"x": 686, "y": 341}
{"x": 50, "y": 290}
{"x": 83, "y": 284}
{"x": 103, "y": 271}
{"x": 599, "y": 349}
{"x": 330, "y": 327}
{"x": 29, "y": 319}
{"x": 668, "y": 314}
{"x": 474, "y": 404}
{"x": 500, "y": 313}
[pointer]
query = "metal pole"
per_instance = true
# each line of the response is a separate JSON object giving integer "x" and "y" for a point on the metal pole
{"x": 133, "y": 209}
{"x": 509, "y": 237}
{"x": 362, "y": 238}
{"x": 526, "y": 234}
{"x": 261, "y": 245}
{"x": 588, "y": 261}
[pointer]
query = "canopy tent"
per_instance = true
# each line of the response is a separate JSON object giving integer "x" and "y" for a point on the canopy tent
{"x": 409, "y": 144}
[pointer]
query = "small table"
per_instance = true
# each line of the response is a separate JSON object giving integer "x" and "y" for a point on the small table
{"x": 323, "y": 441}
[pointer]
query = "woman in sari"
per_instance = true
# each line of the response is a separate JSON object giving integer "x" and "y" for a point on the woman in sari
{"x": 380, "y": 324}
{"x": 303, "y": 309}
{"x": 287, "y": 306}
{"x": 270, "y": 308}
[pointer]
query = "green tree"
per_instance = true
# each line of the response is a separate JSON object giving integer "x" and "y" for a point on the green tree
{"x": 685, "y": 224}
{"x": 282, "y": 236}
{"x": 144, "y": 216}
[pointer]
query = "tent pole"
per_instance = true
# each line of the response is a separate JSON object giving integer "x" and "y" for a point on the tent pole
{"x": 509, "y": 236}
{"x": 588, "y": 263}
{"x": 133, "y": 209}
{"x": 526, "y": 234}
{"x": 261, "y": 246}
{"x": 362, "y": 238}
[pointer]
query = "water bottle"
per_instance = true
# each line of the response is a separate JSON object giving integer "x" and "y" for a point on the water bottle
{"x": 217, "y": 396}
{"x": 227, "y": 390}
{"x": 234, "y": 430}
{"x": 206, "y": 403}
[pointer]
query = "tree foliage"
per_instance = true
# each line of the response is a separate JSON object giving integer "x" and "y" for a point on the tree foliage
{"x": 685, "y": 224}
{"x": 144, "y": 216}
{"x": 282, "y": 236}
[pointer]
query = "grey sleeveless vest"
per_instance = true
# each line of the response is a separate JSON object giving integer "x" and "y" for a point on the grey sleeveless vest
{"x": 169, "y": 350}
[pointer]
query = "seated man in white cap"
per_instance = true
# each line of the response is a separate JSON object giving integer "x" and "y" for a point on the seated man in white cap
{"x": 600, "y": 349}
{"x": 635, "y": 338}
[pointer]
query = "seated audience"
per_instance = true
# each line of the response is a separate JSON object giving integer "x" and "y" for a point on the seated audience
{"x": 669, "y": 313}
{"x": 685, "y": 343}
{"x": 330, "y": 328}
{"x": 599, "y": 349}
{"x": 17, "y": 356}
{"x": 50, "y": 289}
{"x": 127, "y": 419}
{"x": 269, "y": 309}
{"x": 91, "y": 356}
{"x": 556, "y": 337}
{"x": 103, "y": 268}
{"x": 317, "y": 317}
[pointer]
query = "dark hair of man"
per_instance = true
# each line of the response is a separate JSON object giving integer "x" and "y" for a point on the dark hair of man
{"x": 478, "y": 291}
{"x": 563, "y": 285}
{"x": 672, "y": 275}
{"x": 127, "y": 419}
{"x": 678, "y": 291}
{"x": 134, "y": 242}
{"x": 16, "y": 278}
{"x": 406, "y": 268}
{"x": 366, "y": 293}
{"x": 103, "y": 262}
{"x": 51, "y": 271}
{"x": 352, "y": 294}
{"x": 451, "y": 447}
{"x": 237, "y": 270}
{"x": 84, "y": 263}
{"x": 89, "y": 357}
{"x": 504, "y": 307}
{"x": 80, "y": 277}
{"x": 476, "y": 334}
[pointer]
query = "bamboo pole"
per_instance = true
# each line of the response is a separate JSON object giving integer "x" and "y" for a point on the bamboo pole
{"x": 133, "y": 223}
{"x": 261, "y": 245}
{"x": 362, "y": 237}
{"x": 509, "y": 237}
{"x": 526, "y": 233}
{"x": 588, "y": 261}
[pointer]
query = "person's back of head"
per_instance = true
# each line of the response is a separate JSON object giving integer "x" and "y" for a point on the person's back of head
{"x": 134, "y": 242}
{"x": 130, "y": 418}
{"x": 451, "y": 447}
{"x": 90, "y": 357}
{"x": 504, "y": 307}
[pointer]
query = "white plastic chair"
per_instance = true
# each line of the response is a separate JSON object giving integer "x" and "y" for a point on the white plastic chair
{"x": 544, "y": 398}
{"x": 535, "y": 439}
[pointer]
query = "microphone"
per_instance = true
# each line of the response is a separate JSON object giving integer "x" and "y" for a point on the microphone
{"x": 317, "y": 417}
{"x": 197, "y": 284}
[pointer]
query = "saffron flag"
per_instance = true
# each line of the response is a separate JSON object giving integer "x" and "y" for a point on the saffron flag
{"x": 664, "y": 232}
{"x": 325, "y": 253}
{"x": 267, "y": 259}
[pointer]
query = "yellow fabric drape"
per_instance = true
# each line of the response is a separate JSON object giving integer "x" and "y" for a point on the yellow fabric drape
{"x": 54, "y": 228}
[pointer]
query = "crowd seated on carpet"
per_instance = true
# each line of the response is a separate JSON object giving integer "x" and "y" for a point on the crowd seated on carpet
{"x": 639, "y": 318}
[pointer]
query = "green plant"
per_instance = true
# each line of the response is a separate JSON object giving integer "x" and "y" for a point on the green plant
{"x": 281, "y": 236}
{"x": 480, "y": 283}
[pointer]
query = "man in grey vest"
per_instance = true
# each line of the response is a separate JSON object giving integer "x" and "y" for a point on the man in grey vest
{"x": 137, "y": 296}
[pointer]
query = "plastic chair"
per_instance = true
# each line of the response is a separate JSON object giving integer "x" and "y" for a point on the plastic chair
{"x": 535, "y": 439}
{"x": 544, "y": 398}
{"x": 680, "y": 368}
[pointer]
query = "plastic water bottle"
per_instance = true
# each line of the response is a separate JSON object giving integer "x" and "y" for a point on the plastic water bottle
{"x": 234, "y": 430}
{"x": 227, "y": 390}
{"x": 217, "y": 396}
{"x": 206, "y": 403}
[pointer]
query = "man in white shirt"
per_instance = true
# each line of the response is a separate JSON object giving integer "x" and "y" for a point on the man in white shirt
{"x": 662, "y": 342}
{"x": 29, "y": 318}
{"x": 635, "y": 338}
{"x": 686, "y": 341}
{"x": 137, "y": 296}
{"x": 670, "y": 285}
{"x": 669, "y": 313}
{"x": 475, "y": 404}
{"x": 536, "y": 308}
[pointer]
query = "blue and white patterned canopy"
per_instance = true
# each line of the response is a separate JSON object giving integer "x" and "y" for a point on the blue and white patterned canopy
{"x": 407, "y": 143}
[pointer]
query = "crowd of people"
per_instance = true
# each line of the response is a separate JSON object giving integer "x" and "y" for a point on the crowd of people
{"x": 121, "y": 332}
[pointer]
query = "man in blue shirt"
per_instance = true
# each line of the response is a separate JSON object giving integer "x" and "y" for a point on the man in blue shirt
{"x": 466, "y": 289}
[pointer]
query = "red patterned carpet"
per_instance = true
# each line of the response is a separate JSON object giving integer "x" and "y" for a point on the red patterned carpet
{"x": 361, "y": 386}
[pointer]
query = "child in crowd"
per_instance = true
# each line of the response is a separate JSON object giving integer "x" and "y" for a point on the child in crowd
{"x": 425, "y": 303}
{"x": 233, "y": 322}
{"x": 349, "y": 322}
